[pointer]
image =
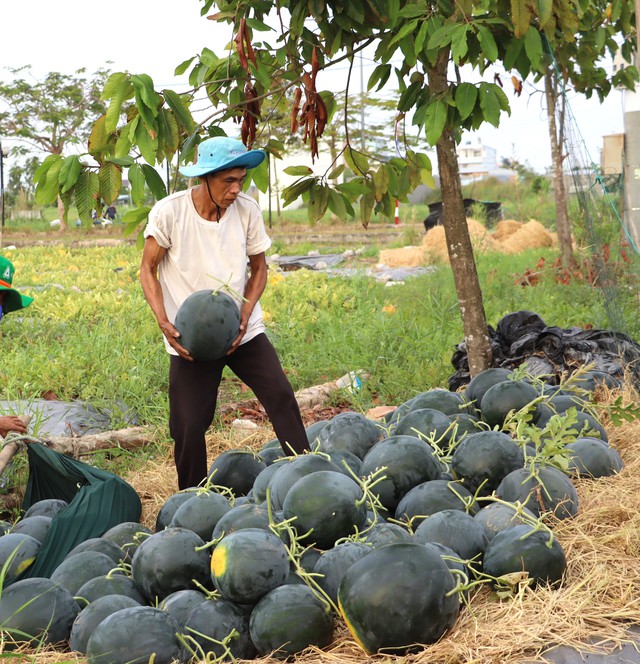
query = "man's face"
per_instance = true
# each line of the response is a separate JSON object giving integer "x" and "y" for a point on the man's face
{"x": 226, "y": 185}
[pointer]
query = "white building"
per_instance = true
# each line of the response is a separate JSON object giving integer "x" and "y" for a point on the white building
{"x": 475, "y": 160}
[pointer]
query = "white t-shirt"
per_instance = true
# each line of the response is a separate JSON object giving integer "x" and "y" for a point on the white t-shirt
{"x": 206, "y": 254}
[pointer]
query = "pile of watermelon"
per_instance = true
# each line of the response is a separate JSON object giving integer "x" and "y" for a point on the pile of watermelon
{"x": 385, "y": 525}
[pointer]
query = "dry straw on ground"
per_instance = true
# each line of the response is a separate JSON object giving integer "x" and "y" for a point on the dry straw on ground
{"x": 598, "y": 600}
{"x": 508, "y": 237}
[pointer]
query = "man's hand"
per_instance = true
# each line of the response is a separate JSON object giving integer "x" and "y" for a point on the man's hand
{"x": 238, "y": 339}
{"x": 172, "y": 335}
{"x": 11, "y": 423}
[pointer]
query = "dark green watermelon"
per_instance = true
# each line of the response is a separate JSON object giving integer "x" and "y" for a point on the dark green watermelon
{"x": 397, "y": 597}
{"x": 201, "y": 513}
{"x": 481, "y": 382}
{"x": 211, "y": 622}
{"x": 289, "y": 619}
{"x": 521, "y": 550}
{"x": 501, "y": 398}
{"x": 333, "y": 564}
{"x": 110, "y": 584}
{"x": 236, "y": 470}
{"x": 454, "y": 529}
{"x": 407, "y": 461}
{"x": 431, "y": 497}
{"x": 180, "y": 603}
{"x": 92, "y": 615}
{"x": 36, "y": 610}
{"x": 498, "y": 516}
{"x": 128, "y": 535}
{"x": 170, "y": 506}
{"x": 349, "y": 431}
{"x": 427, "y": 424}
{"x": 173, "y": 559}
{"x": 37, "y": 526}
{"x": 381, "y": 534}
{"x": 447, "y": 402}
{"x": 550, "y": 491}
{"x": 592, "y": 457}
{"x": 75, "y": 571}
{"x": 326, "y": 506}
{"x": 99, "y": 544}
{"x": 483, "y": 459}
{"x": 46, "y": 507}
{"x": 208, "y": 322}
{"x": 136, "y": 635}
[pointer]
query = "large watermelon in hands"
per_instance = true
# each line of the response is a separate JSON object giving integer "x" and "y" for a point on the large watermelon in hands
{"x": 208, "y": 322}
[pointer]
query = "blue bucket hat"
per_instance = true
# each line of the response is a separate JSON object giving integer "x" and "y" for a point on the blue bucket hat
{"x": 221, "y": 153}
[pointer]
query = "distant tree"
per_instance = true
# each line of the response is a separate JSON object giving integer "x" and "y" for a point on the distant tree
{"x": 50, "y": 116}
{"x": 20, "y": 183}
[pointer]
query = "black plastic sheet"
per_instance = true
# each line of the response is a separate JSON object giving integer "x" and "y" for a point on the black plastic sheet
{"x": 551, "y": 351}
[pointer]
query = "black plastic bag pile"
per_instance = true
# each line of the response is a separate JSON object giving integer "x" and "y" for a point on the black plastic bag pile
{"x": 550, "y": 352}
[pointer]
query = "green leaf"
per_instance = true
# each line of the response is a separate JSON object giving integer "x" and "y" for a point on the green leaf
{"x": 413, "y": 11}
{"x": 379, "y": 77}
{"x": 409, "y": 97}
{"x": 121, "y": 161}
{"x": 183, "y": 66}
{"x": 98, "y": 139}
{"x": 366, "y": 208}
{"x": 154, "y": 181}
{"x": 435, "y": 120}
{"x": 421, "y": 36}
{"x": 260, "y": 176}
{"x": 405, "y": 30}
{"x": 298, "y": 170}
{"x": 180, "y": 109}
{"x": 41, "y": 171}
{"x": 465, "y": 96}
{"x": 533, "y": 47}
{"x": 487, "y": 43}
{"x": 136, "y": 215}
{"x": 442, "y": 36}
{"x": 148, "y": 145}
{"x": 356, "y": 161}
{"x": 521, "y": 16}
{"x": 380, "y": 182}
{"x": 147, "y": 100}
{"x": 47, "y": 189}
{"x": 86, "y": 194}
{"x": 544, "y": 11}
{"x": 489, "y": 104}
{"x": 338, "y": 204}
{"x": 336, "y": 172}
{"x": 318, "y": 201}
{"x": 137, "y": 181}
{"x": 69, "y": 172}
{"x": 118, "y": 88}
{"x": 459, "y": 46}
{"x": 110, "y": 177}
{"x": 294, "y": 191}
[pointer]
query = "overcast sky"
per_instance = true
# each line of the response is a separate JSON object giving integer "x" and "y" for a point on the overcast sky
{"x": 154, "y": 36}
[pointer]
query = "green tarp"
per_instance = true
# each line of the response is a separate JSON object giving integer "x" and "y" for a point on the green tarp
{"x": 97, "y": 501}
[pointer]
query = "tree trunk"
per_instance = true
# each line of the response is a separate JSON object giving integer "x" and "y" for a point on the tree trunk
{"x": 560, "y": 195}
{"x": 459, "y": 247}
{"x": 63, "y": 223}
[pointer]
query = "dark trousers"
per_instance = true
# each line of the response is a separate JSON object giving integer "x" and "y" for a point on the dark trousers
{"x": 193, "y": 393}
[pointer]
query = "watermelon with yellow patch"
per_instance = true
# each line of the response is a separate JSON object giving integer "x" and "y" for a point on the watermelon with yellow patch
{"x": 17, "y": 553}
{"x": 247, "y": 564}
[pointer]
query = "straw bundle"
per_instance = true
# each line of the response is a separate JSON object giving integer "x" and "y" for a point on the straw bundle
{"x": 402, "y": 257}
{"x": 530, "y": 236}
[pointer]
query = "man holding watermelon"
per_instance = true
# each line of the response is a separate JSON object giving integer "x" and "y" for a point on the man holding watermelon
{"x": 200, "y": 239}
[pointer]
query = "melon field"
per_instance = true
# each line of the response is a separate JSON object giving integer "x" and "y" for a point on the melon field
{"x": 484, "y": 525}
